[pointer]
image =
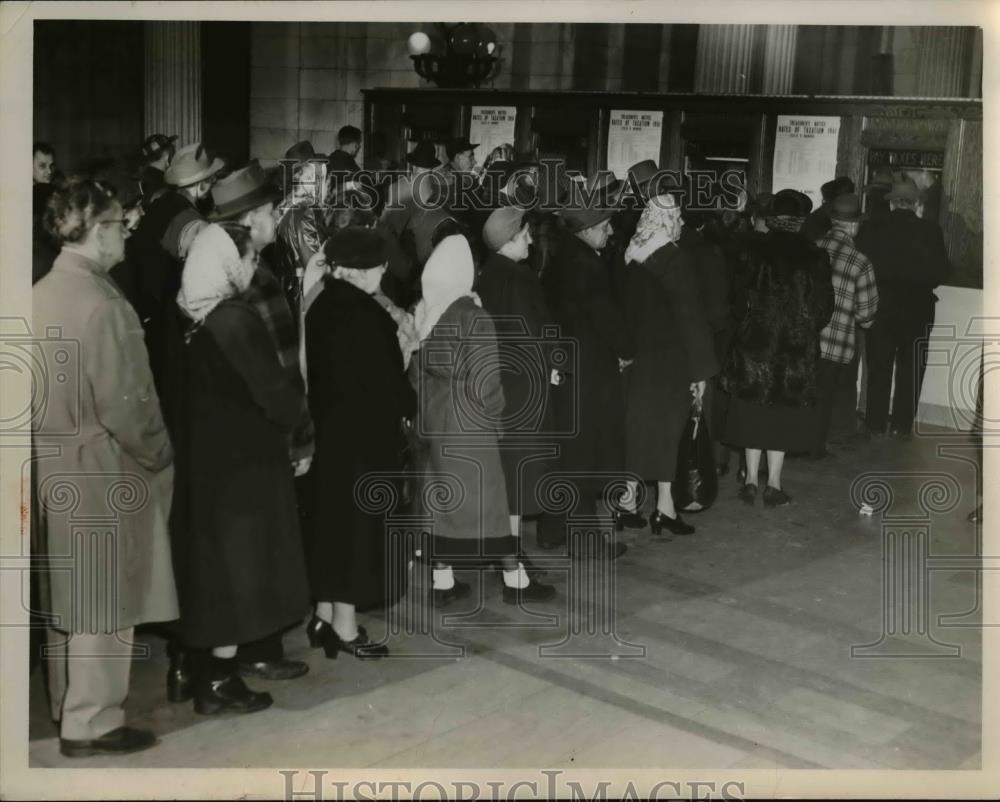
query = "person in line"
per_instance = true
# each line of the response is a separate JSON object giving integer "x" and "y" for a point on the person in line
{"x": 674, "y": 355}
{"x": 591, "y": 402}
{"x": 910, "y": 260}
{"x": 512, "y": 293}
{"x": 772, "y": 371}
{"x": 241, "y": 572}
{"x": 43, "y": 163}
{"x": 819, "y": 220}
{"x": 460, "y": 406}
{"x": 156, "y": 153}
{"x": 359, "y": 395}
{"x": 248, "y": 198}
{"x": 855, "y": 305}
{"x": 343, "y": 160}
{"x": 103, "y": 428}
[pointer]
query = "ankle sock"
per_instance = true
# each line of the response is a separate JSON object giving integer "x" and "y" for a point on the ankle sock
{"x": 443, "y": 578}
{"x": 517, "y": 578}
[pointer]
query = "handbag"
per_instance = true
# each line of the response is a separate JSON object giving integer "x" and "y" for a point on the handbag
{"x": 697, "y": 484}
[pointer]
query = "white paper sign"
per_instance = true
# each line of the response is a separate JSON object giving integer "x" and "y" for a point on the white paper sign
{"x": 490, "y": 127}
{"x": 805, "y": 154}
{"x": 633, "y": 136}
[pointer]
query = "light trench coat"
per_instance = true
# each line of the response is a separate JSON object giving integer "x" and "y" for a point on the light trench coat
{"x": 104, "y": 473}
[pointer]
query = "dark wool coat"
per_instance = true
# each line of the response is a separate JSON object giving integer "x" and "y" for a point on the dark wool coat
{"x": 775, "y": 352}
{"x": 590, "y": 401}
{"x": 460, "y": 403}
{"x": 512, "y": 293}
{"x": 674, "y": 347}
{"x": 358, "y": 396}
{"x": 238, "y": 551}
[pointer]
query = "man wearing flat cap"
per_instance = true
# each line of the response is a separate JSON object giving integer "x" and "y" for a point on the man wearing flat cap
{"x": 910, "y": 260}
{"x": 591, "y": 401}
{"x": 512, "y": 293}
{"x": 151, "y": 275}
{"x": 156, "y": 153}
{"x": 855, "y": 304}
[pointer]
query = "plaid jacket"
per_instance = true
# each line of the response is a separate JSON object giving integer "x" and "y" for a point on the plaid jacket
{"x": 854, "y": 292}
{"x": 268, "y": 298}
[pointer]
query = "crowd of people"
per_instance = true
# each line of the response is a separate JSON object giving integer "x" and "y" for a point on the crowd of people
{"x": 257, "y": 344}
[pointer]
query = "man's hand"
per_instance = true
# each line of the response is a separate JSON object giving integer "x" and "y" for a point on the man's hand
{"x": 698, "y": 390}
{"x": 302, "y": 466}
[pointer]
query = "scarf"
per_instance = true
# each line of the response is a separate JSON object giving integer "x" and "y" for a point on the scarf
{"x": 654, "y": 230}
{"x": 784, "y": 222}
{"x": 213, "y": 272}
{"x": 448, "y": 276}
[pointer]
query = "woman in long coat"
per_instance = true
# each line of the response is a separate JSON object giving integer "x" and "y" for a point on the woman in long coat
{"x": 590, "y": 401}
{"x": 102, "y": 450}
{"x": 674, "y": 353}
{"x": 771, "y": 370}
{"x": 358, "y": 396}
{"x": 460, "y": 408}
{"x": 512, "y": 293}
{"x": 240, "y": 565}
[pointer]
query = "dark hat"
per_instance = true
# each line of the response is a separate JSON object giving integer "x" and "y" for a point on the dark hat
{"x": 846, "y": 208}
{"x": 356, "y": 248}
{"x": 905, "y": 190}
{"x": 791, "y": 203}
{"x": 190, "y": 165}
{"x": 458, "y": 144}
{"x": 154, "y": 146}
{"x": 423, "y": 155}
{"x": 840, "y": 185}
{"x": 244, "y": 190}
{"x": 604, "y": 180}
{"x": 579, "y": 219}
{"x": 303, "y": 151}
{"x": 760, "y": 206}
{"x": 502, "y": 226}
{"x": 642, "y": 172}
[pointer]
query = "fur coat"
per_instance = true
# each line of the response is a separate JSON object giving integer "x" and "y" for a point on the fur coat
{"x": 775, "y": 355}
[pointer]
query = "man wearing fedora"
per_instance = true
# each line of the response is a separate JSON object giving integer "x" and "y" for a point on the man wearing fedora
{"x": 151, "y": 275}
{"x": 156, "y": 153}
{"x": 818, "y": 221}
{"x": 591, "y": 400}
{"x": 910, "y": 259}
{"x": 248, "y": 197}
{"x": 855, "y": 303}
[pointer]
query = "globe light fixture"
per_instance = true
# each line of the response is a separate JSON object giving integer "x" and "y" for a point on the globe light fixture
{"x": 467, "y": 55}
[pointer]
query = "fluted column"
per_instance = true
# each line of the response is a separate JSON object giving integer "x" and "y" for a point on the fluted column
{"x": 173, "y": 80}
{"x": 779, "y": 59}
{"x": 724, "y": 58}
{"x": 944, "y": 61}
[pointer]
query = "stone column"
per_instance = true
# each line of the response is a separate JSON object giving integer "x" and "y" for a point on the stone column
{"x": 724, "y": 58}
{"x": 779, "y": 59}
{"x": 173, "y": 80}
{"x": 945, "y": 54}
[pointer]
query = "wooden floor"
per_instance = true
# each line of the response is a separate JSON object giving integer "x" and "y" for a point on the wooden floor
{"x": 732, "y": 649}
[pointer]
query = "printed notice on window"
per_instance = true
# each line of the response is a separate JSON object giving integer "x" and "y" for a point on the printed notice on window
{"x": 490, "y": 127}
{"x": 633, "y": 136}
{"x": 805, "y": 154}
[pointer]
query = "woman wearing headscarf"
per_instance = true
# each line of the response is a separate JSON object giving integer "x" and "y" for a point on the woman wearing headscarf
{"x": 770, "y": 373}
{"x": 460, "y": 407}
{"x": 237, "y": 546}
{"x": 358, "y": 396}
{"x": 674, "y": 355}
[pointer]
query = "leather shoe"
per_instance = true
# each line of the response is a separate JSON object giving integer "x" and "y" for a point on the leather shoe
{"x": 274, "y": 669}
{"x": 442, "y": 598}
{"x": 181, "y": 677}
{"x": 221, "y": 689}
{"x": 121, "y": 741}
{"x": 773, "y": 497}
{"x": 535, "y": 591}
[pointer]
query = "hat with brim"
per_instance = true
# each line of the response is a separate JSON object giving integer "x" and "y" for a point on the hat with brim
{"x": 605, "y": 183}
{"x": 791, "y": 203}
{"x": 904, "y": 191}
{"x": 642, "y": 173}
{"x": 846, "y": 208}
{"x": 356, "y": 248}
{"x": 243, "y": 190}
{"x": 303, "y": 151}
{"x": 459, "y": 145}
{"x": 154, "y": 146}
{"x": 190, "y": 165}
{"x": 579, "y": 219}
{"x": 423, "y": 155}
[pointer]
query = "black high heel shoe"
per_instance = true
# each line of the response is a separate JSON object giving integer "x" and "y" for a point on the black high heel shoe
{"x": 321, "y": 633}
{"x": 625, "y": 519}
{"x": 658, "y": 522}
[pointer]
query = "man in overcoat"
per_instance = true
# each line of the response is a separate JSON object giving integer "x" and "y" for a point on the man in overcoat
{"x": 104, "y": 475}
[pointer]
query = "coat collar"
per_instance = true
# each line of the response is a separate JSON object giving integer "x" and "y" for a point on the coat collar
{"x": 76, "y": 262}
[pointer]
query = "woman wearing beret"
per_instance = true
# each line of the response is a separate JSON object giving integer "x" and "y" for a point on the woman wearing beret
{"x": 770, "y": 372}
{"x": 674, "y": 354}
{"x": 359, "y": 396}
{"x": 238, "y": 550}
{"x": 461, "y": 405}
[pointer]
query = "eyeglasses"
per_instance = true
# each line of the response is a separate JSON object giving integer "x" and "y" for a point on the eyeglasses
{"x": 122, "y": 220}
